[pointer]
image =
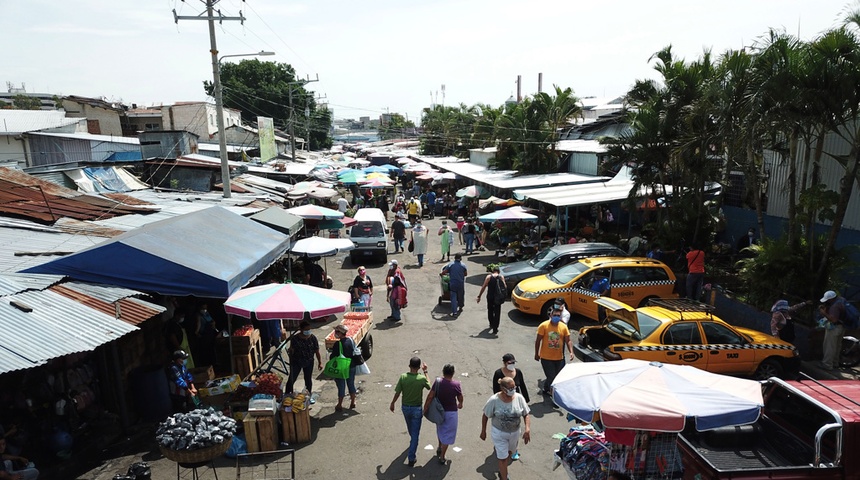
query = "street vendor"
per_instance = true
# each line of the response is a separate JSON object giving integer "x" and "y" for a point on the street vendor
{"x": 182, "y": 390}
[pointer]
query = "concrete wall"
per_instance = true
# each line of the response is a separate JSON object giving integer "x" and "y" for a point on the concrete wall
{"x": 108, "y": 119}
{"x": 198, "y": 118}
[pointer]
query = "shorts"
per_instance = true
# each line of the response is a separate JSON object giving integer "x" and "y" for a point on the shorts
{"x": 504, "y": 442}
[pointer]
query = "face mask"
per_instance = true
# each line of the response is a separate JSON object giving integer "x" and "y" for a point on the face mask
{"x": 185, "y": 362}
{"x": 556, "y": 319}
{"x": 510, "y": 391}
{"x": 512, "y": 365}
{"x": 558, "y": 306}
{"x": 306, "y": 332}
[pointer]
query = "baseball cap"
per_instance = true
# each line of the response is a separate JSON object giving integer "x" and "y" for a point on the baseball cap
{"x": 828, "y": 295}
{"x": 392, "y": 263}
{"x": 180, "y": 354}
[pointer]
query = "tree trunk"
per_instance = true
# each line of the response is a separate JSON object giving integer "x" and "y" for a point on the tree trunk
{"x": 845, "y": 188}
{"x": 792, "y": 189}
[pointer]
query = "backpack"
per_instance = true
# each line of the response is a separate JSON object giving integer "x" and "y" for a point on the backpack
{"x": 852, "y": 315}
{"x": 500, "y": 293}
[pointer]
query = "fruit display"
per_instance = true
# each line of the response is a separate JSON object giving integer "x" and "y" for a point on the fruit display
{"x": 243, "y": 331}
{"x": 195, "y": 430}
{"x": 269, "y": 384}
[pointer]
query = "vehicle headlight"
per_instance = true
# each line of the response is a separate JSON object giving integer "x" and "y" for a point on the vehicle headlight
{"x": 380, "y": 244}
{"x": 356, "y": 244}
{"x": 518, "y": 291}
{"x": 529, "y": 295}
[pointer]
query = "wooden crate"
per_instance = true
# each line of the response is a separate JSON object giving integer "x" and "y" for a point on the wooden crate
{"x": 357, "y": 338}
{"x": 244, "y": 343}
{"x": 295, "y": 426}
{"x": 288, "y": 426}
{"x": 245, "y": 364}
{"x": 261, "y": 433}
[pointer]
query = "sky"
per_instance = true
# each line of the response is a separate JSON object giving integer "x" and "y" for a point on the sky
{"x": 378, "y": 56}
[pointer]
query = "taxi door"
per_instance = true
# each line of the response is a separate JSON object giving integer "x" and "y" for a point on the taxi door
{"x": 682, "y": 345}
{"x": 726, "y": 350}
{"x": 582, "y": 296}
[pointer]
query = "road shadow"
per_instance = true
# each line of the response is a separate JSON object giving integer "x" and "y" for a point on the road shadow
{"x": 442, "y": 313}
{"x": 522, "y": 319}
{"x": 388, "y": 324}
{"x": 397, "y": 469}
{"x": 543, "y": 407}
{"x": 490, "y": 468}
{"x": 485, "y": 333}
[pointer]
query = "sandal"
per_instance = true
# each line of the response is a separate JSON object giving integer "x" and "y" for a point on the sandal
{"x": 338, "y": 408}
{"x": 352, "y": 406}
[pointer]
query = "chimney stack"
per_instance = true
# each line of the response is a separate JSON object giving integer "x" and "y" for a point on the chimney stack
{"x": 540, "y": 82}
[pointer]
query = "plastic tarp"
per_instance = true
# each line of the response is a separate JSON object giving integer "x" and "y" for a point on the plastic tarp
{"x": 280, "y": 220}
{"x": 105, "y": 180}
{"x": 208, "y": 253}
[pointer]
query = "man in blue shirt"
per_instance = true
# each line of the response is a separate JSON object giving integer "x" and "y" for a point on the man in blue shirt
{"x": 181, "y": 386}
{"x": 456, "y": 284}
{"x": 431, "y": 203}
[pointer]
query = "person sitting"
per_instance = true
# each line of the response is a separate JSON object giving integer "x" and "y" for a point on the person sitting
{"x": 15, "y": 467}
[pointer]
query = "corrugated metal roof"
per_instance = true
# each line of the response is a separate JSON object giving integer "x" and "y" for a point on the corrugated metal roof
{"x": 104, "y": 298}
{"x": 55, "y": 327}
{"x": 34, "y": 242}
{"x": 20, "y": 121}
{"x": 92, "y": 137}
{"x": 12, "y": 283}
{"x": 507, "y": 179}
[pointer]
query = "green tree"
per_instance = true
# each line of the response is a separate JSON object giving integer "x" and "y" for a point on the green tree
{"x": 26, "y": 102}
{"x": 396, "y": 127}
{"x": 269, "y": 89}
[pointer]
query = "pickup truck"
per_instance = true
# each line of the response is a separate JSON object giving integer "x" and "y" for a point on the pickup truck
{"x": 807, "y": 429}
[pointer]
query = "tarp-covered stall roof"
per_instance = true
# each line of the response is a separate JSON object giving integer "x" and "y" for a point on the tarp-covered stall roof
{"x": 208, "y": 253}
{"x": 279, "y": 219}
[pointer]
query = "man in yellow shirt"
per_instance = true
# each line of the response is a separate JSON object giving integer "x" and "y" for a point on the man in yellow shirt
{"x": 413, "y": 209}
{"x": 552, "y": 336}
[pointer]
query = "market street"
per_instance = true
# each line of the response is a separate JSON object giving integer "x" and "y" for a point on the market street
{"x": 372, "y": 441}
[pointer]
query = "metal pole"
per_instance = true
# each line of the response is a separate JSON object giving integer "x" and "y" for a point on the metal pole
{"x": 219, "y": 104}
{"x": 292, "y": 125}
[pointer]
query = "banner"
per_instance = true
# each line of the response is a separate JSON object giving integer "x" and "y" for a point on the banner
{"x": 266, "y": 131}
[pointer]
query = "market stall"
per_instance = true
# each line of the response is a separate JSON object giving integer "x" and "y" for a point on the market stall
{"x": 635, "y": 409}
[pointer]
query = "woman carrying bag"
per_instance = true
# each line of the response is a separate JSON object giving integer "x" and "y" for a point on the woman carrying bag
{"x": 344, "y": 346}
{"x": 450, "y": 395}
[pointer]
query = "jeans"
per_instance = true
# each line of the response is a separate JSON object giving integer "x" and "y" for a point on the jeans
{"x": 694, "y": 285}
{"x": 395, "y": 309}
{"x": 298, "y": 366}
{"x": 413, "y": 417}
{"x": 550, "y": 370}
{"x": 458, "y": 293}
{"x": 832, "y": 345}
{"x": 494, "y": 313}
{"x": 420, "y": 259}
{"x": 27, "y": 473}
{"x": 470, "y": 241}
{"x": 342, "y": 384}
{"x": 398, "y": 244}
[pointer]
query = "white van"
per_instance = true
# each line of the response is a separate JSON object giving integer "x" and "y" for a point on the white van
{"x": 369, "y": 235}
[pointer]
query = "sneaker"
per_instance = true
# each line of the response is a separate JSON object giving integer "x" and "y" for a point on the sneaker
{"x": 413, "y": 462}
{"x": 516, "y": 455}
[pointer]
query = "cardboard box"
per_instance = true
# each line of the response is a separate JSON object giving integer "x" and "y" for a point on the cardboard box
{"x": 202, "y": 375}
{"x": 221, "y": 386}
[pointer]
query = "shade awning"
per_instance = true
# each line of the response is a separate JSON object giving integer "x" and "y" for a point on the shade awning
{"x": 208, "y": 253}
{"x": 279, "y": 219}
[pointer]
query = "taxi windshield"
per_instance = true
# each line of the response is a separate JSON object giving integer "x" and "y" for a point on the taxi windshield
{"x": 622, "y": 326}
{"x": 565, "y": 274}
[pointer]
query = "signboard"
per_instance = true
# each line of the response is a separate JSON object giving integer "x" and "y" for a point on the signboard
{"x": 266, "y": 131}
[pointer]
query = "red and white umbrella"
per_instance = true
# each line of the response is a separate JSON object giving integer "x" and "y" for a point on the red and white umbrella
{"x": 315, "y": 212}
{"x": 376, "y": 183}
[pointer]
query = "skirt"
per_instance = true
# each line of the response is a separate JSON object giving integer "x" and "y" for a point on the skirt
{"x": 447, "y": 431}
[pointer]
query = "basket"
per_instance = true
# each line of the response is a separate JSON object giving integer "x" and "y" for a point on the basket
{"x": 196, "y": 456}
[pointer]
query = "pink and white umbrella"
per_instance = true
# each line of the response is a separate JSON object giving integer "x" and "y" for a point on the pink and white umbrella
{"x": 639, "y": 395}
{"x": 315, "y": 212}
{"x": 376, "y": 183}
{"x": 286, "y": 301}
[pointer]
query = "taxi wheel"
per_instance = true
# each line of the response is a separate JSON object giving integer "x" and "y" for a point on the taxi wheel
{"x": 547, "y": 309}
{"x": 769, "y": 368}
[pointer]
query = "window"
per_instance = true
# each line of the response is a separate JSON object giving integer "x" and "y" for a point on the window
{"x": 716, "y": 334}
{"x": 367, "y": 229}
{"x": 683, "y": 334}
{"x": 568, "y": 272}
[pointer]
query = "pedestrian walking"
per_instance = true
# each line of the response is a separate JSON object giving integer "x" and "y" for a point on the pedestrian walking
{"x": 344, "y": 345}
{"x": 695, "y": 272}
{"x": 413, "y": 208}
{"x": 447, "y": 240}
{"x": 304, "y": 346}
{"x": 398, "y": 232}
{"x": 781, "y": 324}
{"x": 419, "y": 242}
{"x": 497, "y": 292}
{"x": 509, "y": 369}
{"x": 552, "y": 336}
{"x": 396, "y": 298}
{"x": 508, "y": 411}
{"x": 469, "y": 236}
{"x": 832, "y": 310}
{"x": 363, "y": 286}
{"x": 450, "y": 395}
{"x": 411, "y": 385}
{"x": 456, "y": 272}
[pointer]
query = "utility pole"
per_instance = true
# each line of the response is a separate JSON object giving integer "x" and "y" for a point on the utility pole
{"x": 292, "y": 119}
{"x": 216, "y": 75}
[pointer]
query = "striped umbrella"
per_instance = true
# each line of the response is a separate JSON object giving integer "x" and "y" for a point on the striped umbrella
{"x": 286, "y": 301}
{"x": 315, "y": 212}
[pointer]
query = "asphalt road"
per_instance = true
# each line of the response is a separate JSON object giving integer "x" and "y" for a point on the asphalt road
{"x": 371, "y": 441}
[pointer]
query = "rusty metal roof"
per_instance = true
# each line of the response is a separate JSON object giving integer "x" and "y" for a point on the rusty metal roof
{"x": 26, "y": 196}
{"x": 105, "y": 299}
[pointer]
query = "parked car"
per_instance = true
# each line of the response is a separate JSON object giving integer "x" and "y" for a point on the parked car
{"x": 554, "y": 257}
{"x": 807, "y": 429}
{"x": 684, "y": 332}
{"x": 631, "y": 280}
{"x": 369, "y": 235}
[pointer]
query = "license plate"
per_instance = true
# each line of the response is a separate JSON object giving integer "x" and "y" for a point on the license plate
{"x": 368, "y": 252}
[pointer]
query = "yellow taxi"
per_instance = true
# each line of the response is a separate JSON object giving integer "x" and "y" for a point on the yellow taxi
{"x": 632, "y": 280}
{"x": 684, "y": 332}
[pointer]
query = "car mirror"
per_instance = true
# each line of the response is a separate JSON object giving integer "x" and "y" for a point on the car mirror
{"x": 347, "y": 231}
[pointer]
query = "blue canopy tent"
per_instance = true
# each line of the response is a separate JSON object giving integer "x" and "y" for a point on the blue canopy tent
{"x": 208, "y": 253}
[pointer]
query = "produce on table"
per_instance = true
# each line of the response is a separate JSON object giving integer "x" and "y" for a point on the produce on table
{"x": 352, "y": 323}
{"x": 195, "y": 430}
{"x": 243, "y": 331}
{"x": 269, "y": 384}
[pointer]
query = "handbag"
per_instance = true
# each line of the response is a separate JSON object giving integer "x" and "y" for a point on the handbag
{"x": 362, "y": 369}
{"x": 357, "y": 356}
{"x": 338, "y": 367}
{"x": 435, "y": 412}
{"x": 411, "y": 246}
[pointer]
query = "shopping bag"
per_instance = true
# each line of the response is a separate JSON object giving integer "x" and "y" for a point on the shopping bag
{"x": 435, "y": 412}
{"x": 337, "y": 367}
{"x": 362, "y": 369}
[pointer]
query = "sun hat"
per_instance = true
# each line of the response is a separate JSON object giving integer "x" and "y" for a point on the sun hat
{"x": 342, "y": 329}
